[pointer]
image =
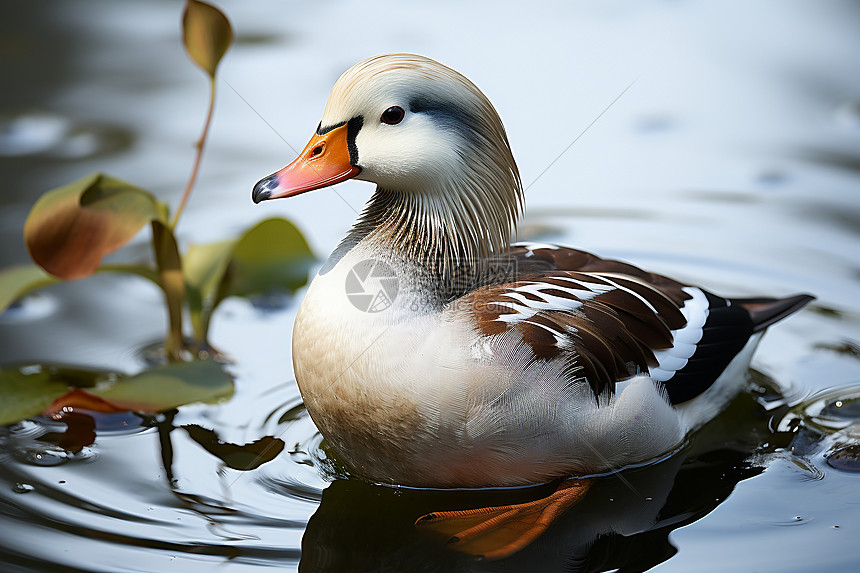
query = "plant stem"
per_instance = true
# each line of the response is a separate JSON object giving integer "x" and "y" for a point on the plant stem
{"x": 201, "y": 143}
{"x": 172, "y": 280}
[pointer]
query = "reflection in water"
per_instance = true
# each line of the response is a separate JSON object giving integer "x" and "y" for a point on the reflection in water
{"x": 730, "y": 163}
{"x": 148, "y": 496}
{"x": 623, "y": 522}
{"x": 174, "y": 485}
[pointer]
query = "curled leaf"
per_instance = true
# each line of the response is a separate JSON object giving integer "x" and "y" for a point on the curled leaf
{"x": 204, "y": 267}
{"x": 170, "y": 276}
{"x": 206, "y": 33}
{"x": 71, "y": 228}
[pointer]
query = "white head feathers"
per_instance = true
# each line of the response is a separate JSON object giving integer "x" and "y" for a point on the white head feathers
{"x": 448, "y": 185}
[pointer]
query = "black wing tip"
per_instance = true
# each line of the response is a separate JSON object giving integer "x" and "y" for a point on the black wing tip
{"x": 766, "y": 311}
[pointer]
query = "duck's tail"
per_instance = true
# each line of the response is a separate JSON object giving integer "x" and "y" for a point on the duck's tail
{"x": 766, "y": 311}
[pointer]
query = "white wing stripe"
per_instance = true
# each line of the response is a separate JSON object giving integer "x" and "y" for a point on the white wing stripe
{"x": 596, "y": 288}
{"x": 627, "y": 290}
{"x": 535, "y": 246}
{"x": 686, "y": 339}
{"x": 556, "y": 334}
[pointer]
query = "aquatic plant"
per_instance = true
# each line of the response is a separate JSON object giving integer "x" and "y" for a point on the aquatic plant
{"x": 71, "y": 229}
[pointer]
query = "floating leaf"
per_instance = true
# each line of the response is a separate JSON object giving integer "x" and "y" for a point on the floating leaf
{"x": 206, "y": 33}
{"x": 28, "y": 390}
{"x": 35, "y": 389}
{"x": 17, "y": 281}
{"x": 169, "y": 386}
{"x": 71, "y": 228}
{"x": 83, "y": 400}
{"x": 245, "y": 457}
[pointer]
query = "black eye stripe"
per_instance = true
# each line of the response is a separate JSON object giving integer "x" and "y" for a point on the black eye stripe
{"x": 393, "y": 115}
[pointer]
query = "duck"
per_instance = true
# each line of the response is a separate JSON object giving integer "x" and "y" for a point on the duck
{"x": 431, "y": 352}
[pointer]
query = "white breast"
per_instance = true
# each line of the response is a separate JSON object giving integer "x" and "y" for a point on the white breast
{"x": 422, "y": 399}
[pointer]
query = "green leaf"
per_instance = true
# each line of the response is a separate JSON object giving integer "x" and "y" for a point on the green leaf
{"x": 71, "y": 228}
{"x": 206, "y": 33}
{"x": 170, "y": 386}
{"x": 272, "y": 255}
{"x": 29, "y": 390}
{"x": 169, "y": 265}
{"x": 204, "y": 267}
{"x": 239, "y": 457}
{"x": 17, "y": 281}
{"x": 140, "y": 270}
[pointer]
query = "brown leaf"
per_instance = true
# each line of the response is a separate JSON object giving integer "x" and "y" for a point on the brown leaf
{"x": 206, "y": 33}
{"x": 71, "y": 228}
{"x": 81, "y": 399}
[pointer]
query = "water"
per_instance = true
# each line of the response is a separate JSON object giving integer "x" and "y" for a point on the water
{"x": 730, "y": 162}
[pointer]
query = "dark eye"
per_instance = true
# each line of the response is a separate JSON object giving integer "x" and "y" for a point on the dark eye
{"x": 393, "y": 115}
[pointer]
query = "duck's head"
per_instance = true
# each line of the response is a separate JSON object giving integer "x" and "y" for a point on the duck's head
{"x": 429, "y": 139}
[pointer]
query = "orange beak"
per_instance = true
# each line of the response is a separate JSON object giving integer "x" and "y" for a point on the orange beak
{"x": 324, "y": 161}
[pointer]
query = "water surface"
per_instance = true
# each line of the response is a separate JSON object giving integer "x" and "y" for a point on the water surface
{"x": 732, "y": 162}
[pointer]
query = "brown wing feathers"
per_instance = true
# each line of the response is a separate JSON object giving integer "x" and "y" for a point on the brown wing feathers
{"x": 607, "y": 326}
{"x": 605, "y": 319}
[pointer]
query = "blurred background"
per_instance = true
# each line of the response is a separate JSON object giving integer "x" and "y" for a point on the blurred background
{"x": 730, "y": 159}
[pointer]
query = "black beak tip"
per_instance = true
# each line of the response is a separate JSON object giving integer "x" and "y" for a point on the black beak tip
{"x": 263, "y": 189}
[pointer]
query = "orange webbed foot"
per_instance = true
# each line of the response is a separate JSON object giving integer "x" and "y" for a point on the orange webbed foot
{"x": 500, "y": 531}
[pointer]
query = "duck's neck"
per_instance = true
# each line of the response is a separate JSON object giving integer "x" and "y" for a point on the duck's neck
{"x": 448, "y": 243}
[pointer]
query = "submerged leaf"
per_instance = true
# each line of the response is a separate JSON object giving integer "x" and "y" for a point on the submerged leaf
{"x": 206, "y": 33}
{"x": 239, "y": 457}
{"x": 19, "y": 280}
{"x": 71, "y": 228}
